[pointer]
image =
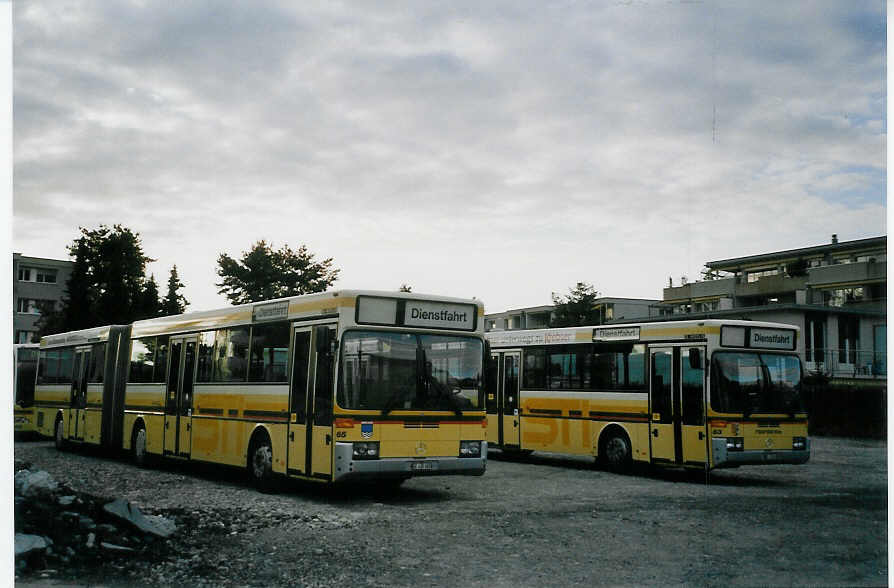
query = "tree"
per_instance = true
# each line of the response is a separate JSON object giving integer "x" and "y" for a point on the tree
{"x": 173, "y": 302}
{"x": 576, "y": 308}
{"x": 149, "y": 305}
{"x": 264, "y": 273}
{"x": 405, "y": 288}
{"x": 108, "y": 283}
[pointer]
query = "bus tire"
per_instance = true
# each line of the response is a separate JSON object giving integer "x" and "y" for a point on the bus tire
{"x": 614, "y": 450}
{"x": 260, "y": 462}
{"x": 58, "y": 432}
{"x": 138, "y": 446}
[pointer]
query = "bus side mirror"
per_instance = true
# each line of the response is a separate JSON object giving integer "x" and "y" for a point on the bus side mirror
{"x": 695, "y": 358}
{"x": 323, "y": 336}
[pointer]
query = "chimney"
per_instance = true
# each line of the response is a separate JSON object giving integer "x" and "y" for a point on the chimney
{"x": 834, "y": 238}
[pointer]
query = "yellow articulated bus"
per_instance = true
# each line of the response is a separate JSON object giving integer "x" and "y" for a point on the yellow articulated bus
{"x": 698, "y": 394}
{"x": 78, "y": 396}
{"x": 330, "y": 387}
{"x": 24, "y": 361}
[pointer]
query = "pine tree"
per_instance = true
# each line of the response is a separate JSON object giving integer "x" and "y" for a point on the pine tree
{"x": 174, "y": 302}
{"x": 149, "y": 305}
{"x": 576, "y": 309}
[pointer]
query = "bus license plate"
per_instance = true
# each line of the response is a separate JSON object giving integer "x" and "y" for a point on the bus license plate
{"x": 422, "y": 466}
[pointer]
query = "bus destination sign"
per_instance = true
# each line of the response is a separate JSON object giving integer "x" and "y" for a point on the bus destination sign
{"x": 771, "y": 339}
{"x": 439, "y": 315}
{"x": 616, "y": 334}
{"x": 270, "y": 312}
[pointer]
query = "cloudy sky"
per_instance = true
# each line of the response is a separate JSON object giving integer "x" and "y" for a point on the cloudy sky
{"x": 502, "y": 150}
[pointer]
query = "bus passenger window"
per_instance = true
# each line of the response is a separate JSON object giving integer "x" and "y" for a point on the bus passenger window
{"x": 693, "y": 393}
{"x": 299, "y": 375}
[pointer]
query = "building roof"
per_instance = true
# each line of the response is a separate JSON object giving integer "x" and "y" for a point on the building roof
{"x": 736, "y": 262}
{"x": 743, "y": 312}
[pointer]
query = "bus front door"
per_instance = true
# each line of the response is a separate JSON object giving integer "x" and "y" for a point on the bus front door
{"x": 494, "y": 383}
{"x": 510, "y": 435}
{"x": 298, "y": 394}
{"x": 692, "y": 393}
{"x": 677, "y": 405}
{"x": 664, "y": 411}
{"x": 178, "y": 406}
{"x": 77, "y": 422}
{"x": 320, "y": 444}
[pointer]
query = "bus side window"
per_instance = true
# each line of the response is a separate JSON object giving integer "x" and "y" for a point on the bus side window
{"x": 299, "y": 375}
{"x": 323, "y": 385}
{"x": 491, "y": 385}
{"x": 662, "y": 373}
{"x": 693, "y": 392}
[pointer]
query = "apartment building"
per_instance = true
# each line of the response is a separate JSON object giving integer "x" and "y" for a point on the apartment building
{"x": 836, "y": 294}
{"x": 35, "y": 280}
{"x": 538, "y": 317}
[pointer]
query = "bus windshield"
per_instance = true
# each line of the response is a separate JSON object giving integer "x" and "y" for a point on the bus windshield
{"x": 756, "y": 383}
{"x": 26, "y": 370}
{"x": 405, "y": 371}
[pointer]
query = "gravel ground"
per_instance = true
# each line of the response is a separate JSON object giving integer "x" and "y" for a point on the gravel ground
{"x": 543, "y": 520}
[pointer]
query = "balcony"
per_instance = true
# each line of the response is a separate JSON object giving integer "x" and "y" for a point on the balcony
{"x": 847, "y": 273}
{"x": 847, "y": 363}
{"x": 768, "y": 285}
{"x": 724, "y": 287}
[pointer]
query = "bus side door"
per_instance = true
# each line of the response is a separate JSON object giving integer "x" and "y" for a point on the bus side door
{"x": 692, "y": 382}
{"x": 320, "y": 444}
{"x": 78, "y": 419}
{"x": 178, "y": 406}
{"x": 300, "y": 384}
{"x": 494, "y": 383}
{"x": 664, "y": 418}
{"x": 509, "y": 390}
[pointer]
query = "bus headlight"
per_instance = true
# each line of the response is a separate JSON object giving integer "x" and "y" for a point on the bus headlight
{"x": 799, "y": 443}
{"x": 735, "y": 443}
{"x": 470, "y": 448}
{"x": 366, "y": 450}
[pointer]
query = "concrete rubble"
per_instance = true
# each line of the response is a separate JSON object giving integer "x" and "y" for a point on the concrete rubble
{"x": 57, "y": 527}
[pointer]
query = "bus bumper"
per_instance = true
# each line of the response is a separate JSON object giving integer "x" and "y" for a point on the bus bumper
{"x": 23, "y": 424}
{"x": 724, "y": 458}
{"x": 347, "y": 468}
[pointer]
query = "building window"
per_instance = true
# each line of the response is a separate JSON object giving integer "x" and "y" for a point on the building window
{"x": 848, "y": 339}
{"x": 755, "y": 276}
{"x": 46, "y": 276}
{"x": 30, "y": 305}
{"x": 880, "y": 360}
{"x": 24, "y": 336}
{"x": 815, "y": 337}
{"x": 706, "y": 306}
{"x": 40, "y": 275}
{"x": 843, "y": 296}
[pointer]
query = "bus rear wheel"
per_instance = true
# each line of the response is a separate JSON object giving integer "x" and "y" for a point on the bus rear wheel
{"x": 260, "y": 463}
{"x": 138, "y": 447}
{"x": 615, "y": 451}
{"x": 58, "y": 435}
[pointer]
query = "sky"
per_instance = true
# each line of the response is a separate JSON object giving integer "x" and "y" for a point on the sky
{"x": 499, "y": 150}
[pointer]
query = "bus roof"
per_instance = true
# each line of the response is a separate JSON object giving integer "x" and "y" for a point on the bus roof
{"x": 82, "y": 337}
{"x": 307, "y": 306}
{"x": 629, "y": 332}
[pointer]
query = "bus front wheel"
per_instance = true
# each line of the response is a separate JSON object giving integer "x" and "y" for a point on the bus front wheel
{"x": 260, "y": 463}
{"x": 615, "y": 451}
